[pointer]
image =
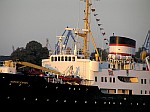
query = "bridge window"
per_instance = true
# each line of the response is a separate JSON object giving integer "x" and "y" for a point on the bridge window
{"x": 58, "y": 58}
{"x": 52, "y": 58}
{"x": 55, "y": 58}
{"x": 62, "y": 58}
{"x": 69, "y": 58}
{"x": 73, "y": 58}
{"x": 65, "y": 58}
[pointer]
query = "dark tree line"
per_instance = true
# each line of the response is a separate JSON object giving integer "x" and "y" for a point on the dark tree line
{"x": 103, "y": 53}
{"x": 137, "y": 54}
{"x": 33, "y": 53}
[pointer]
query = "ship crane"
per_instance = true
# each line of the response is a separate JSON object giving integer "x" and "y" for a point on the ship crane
{"x": 145, "y": 47}
{"x": 37, "y": 67}
{"x": 146, "y": 50}
{"x": 57, "y": 47}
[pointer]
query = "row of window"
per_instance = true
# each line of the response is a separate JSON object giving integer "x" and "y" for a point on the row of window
{"x": 143, "y": 81}
{"x": 106, "y": 79}
{"x": 122, "y": 91}
{"x": 144, "y": 92}
{"x": 62, "y": 58}
{"x": 127, "y": 79}
{"x": 113, "y": 91}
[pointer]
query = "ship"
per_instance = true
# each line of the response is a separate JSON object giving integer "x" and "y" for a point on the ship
{"x": 71, "y": 79}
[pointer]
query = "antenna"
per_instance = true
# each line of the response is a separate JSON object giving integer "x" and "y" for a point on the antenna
{"x": 86, "y": 30}
{"x": 60, "y": 40}
{"x": 13, "y": 48}
{"x": 48, "y": 46}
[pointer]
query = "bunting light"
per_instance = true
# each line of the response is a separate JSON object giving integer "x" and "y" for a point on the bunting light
{"x": 99, "y": 24}
{"x": 98, "y": 21}
{"x": 95, "y": 14}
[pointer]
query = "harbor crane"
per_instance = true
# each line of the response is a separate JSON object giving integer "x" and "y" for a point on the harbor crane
{"x": 69, "y": 33}
{"x": 146, "y": 46}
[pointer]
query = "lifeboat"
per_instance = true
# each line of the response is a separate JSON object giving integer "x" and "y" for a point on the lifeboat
{"x": 70, "y": 78}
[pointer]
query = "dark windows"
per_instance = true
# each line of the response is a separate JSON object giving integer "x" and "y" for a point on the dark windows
{"x": 143, "y": 81}
{"x": 95, "y": 79}
{"x": 62, "y": 58}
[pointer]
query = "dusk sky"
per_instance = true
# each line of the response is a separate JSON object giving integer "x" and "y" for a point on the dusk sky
{"x": 22, "y": 21}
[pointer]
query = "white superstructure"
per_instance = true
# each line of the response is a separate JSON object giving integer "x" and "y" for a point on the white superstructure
{"x": 120, "y": 74}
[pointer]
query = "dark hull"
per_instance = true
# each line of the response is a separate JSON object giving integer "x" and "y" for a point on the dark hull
{"x": 34, "y": 90}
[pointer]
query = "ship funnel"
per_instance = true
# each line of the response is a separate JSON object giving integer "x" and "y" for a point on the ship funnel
{"x": 122, "y": 46}
{"x": 121, "y": 50}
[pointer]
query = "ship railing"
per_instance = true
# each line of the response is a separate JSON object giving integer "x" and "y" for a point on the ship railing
{"x": 53, "y": 80}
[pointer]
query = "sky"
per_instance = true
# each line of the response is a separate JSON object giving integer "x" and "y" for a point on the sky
{"x": 22, "y": 21}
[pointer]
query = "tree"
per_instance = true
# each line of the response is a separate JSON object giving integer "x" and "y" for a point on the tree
{"x": 33, "y": 53}
{"x": 137, "y": 54}
{"x": 103, "y": 54}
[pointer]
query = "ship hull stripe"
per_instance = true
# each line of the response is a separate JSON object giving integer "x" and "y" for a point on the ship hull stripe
{"x": 123, "y": 54}
{"x": 126, "y": 45}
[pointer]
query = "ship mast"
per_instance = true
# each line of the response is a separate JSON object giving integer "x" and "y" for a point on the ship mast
{"x": 85, "y": 32}
{"x": 86, "y": 26}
